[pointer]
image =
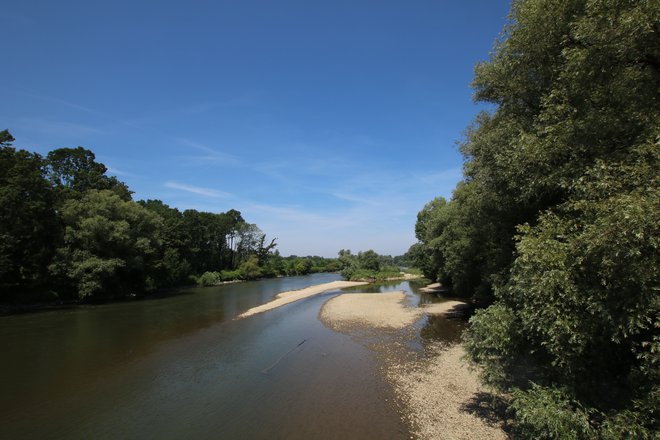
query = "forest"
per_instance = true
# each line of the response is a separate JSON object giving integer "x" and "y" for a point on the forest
{"x": 554, "y": 229}
{"x": 68, "y": 231}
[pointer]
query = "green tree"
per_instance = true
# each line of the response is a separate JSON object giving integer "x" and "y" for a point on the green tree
{"x": 568, "y": 160}
{"x": 171, "y": 267}
{"x": 28, "y": 222}
{"x": 75, "y": 170}
{"x": 250, "y": 269}
{"x": 109, "y": 245}
{"x": 302, "y": 266}
{"x": 368, "y": 260}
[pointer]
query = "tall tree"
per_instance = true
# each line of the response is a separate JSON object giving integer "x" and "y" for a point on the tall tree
{"x": 75, "y": 170}
{"x": 558, "y": 214}
{"x": 28, "y": 224}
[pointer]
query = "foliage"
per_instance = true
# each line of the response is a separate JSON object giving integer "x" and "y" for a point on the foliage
{"x": 73, "y": 171}
{"x": 70, "y": 228}
{"x": 208, "y": 279}
{"x": 372, "y": 275}
{"x": 557, "y": 218}
{"x": 367, "y": 265}
{"x": 250, "y": 269}
{"x": 230, "y": 275}
{"x": 550, "y": 413}
{"x": 28, "y": 224}
{"x": 108, "y": 244}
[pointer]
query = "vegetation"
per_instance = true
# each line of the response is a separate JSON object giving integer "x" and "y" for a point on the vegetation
{"x": 69, "y": 231}
{"x": 367, "y": 266}
{"x": 556, "y": 222}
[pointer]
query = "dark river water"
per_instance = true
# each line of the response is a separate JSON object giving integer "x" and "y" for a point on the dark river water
{"x": 181, "y": 366}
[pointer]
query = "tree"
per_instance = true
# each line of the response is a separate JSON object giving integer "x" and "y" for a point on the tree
{"x": 369, "y": 260}
{"x": 28, "y": 223}
{"x": 109, "y": 245}
{"x": 566, "y": 169}
{"x": 6, "y": 138}
{"x": 75, "y": 170}
{"x": 171, "y": 267}
{"x": 250, "y": 269}
{"x": 302, "y": 266}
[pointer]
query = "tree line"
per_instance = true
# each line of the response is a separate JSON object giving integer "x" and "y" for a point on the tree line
{"x": 368, "y": 265}
{"x": 70, "y": 231}
{"x": 556, "y": 223}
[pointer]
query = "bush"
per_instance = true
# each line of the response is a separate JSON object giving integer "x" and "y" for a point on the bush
{"x": 250, "y": 269}
{"x": 230, "y": 275}
{"x": 550, "y": 413}
{"x": 209, "y": 279}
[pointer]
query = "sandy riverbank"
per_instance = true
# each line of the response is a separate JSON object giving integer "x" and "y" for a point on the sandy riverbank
{"x": 381, "y": 310}
{"x": 443, "y": 397}
{"x": 440, "y": 394}
{"x": 295, "y": 295}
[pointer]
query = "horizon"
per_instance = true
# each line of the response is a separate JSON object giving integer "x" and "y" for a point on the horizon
{"x": 319, "y": 123}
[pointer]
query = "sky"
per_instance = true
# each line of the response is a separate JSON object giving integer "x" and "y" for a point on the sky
{"x": 329, "y": 124}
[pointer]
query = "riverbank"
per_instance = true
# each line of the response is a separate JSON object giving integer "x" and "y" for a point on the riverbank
{"x": 296, "y": 295}
{"x": 383, "y": 310}
{"x": 441, "y": 394}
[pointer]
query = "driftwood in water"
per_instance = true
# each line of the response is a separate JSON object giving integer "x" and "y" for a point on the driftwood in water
{"x": 266, "y": 370}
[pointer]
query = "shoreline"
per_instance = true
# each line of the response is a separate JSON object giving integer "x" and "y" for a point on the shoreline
{"x": 290, "y": 296}
{"x": 441, "y": 395}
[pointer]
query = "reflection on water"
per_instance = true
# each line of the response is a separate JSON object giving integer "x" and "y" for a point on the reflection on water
{"x": 181, "y": 366}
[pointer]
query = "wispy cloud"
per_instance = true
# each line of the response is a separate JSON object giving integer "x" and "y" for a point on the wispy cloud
{"x": 207, "y": 192}
{"x": 50, "y": 127}
{"x": 212, "y": 156}
{"x": 357, "y": 199}
{"x": 451, "y": 175}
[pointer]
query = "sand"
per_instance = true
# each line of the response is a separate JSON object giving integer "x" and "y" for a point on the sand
{"x": 380, "y": 310}
{"x": 295, "y": 295}
{"x": 440, "y": 394}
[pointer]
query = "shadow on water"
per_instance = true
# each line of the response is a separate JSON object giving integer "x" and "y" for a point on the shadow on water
{"x": 438, "y": 328}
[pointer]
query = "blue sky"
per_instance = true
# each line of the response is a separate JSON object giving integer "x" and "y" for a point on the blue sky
{"x": 329, "y": 124}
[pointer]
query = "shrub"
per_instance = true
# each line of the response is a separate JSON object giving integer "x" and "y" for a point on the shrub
{"x": 209, "y": 279}
{"x": 550, "y": 413}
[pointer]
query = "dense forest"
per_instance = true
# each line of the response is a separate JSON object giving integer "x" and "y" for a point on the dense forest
{"x": 556, "y": 222}
{"x": 68, "y": 231}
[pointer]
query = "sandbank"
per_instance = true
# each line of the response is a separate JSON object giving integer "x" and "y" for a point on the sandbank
{"x": 381, "y": 310}
{"x": 295, "y": 295}
{"x": 441, "y": 395}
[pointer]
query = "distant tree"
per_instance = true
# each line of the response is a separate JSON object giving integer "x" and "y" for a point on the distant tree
{"x": 345, "y": 258}
{"x": 369, "y": 260}
{"x": 303, "y": 266}
{"x": 250, "y": 269}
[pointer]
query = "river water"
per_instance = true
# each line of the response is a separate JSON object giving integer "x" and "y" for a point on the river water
{"x": 181, "y": 366}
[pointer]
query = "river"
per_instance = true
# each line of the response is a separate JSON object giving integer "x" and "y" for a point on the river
{"x": 181, "y": 366}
